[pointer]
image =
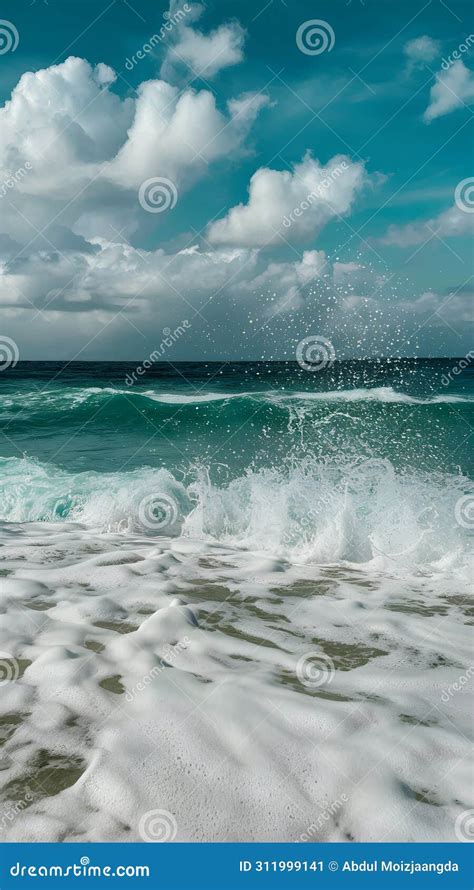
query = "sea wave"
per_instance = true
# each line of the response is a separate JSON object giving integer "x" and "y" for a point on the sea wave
{"x": 363, "y": 513}
{"x": 71, "y": 399}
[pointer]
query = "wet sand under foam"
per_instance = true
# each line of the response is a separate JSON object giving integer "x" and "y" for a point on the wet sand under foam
{"x": 183, "y": 676}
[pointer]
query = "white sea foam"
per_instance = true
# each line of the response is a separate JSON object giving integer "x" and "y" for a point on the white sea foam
{"x": 363, "y": 513}
{"x": 182, "y": 675}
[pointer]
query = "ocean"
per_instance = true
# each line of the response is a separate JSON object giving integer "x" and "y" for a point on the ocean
{"x": 235, "y": 601}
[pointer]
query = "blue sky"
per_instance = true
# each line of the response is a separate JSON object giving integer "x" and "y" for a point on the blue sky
{"x": 243, "y": 119}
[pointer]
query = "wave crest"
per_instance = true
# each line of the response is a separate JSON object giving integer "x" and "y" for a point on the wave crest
{"x": 363, "y": 513}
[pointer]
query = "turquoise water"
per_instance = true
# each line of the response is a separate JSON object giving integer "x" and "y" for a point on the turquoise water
{"x": 86, "y": 417}
{"x": 234, "y": 444}
{"x": 251, "y": 576}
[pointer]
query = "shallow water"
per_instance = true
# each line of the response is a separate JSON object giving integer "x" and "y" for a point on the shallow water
{"x": 267, "y": 636}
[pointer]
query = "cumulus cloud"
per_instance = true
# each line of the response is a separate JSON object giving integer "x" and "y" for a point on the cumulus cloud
{"x": 294, "y": 203}
{"x": 72, "y": 157}
{"x": 149, "y": 286}
{"x": 66, "y": 122}
{"x": 284, "y": 286}
{"x": 73, "y": 154}
{"x": 177, "y": 134}
{"x": 76, "y": 153}
{"x": 420, "y": 50}
{"x": 118, "y": 298}
{"x": 204, "y": 55}
{"x": 454, "y": 88}
{"x": 115, "y": 275}
{"x": 455, "y": 307}
{"x": 451, "y": 222}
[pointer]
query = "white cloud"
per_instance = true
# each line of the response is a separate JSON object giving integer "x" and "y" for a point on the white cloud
{"x": 86, "y": 306}
{"x": 72, "y": 156}
{"x": 115, "y": 277}
{"x": 89, "y": 150}
{"x": 420, "y": 51}
{"x": 84, "y": 152}
{"x": 66, "y": 122}
{"x": 454, "y": 308}
{"x": 294, "y": 203}
{"x": 453, "y": 89}
{"x": 448, "y": 224}
{"x": 284, "y": 286}
{"x": 203, "y": 54}
{"x": 109, "y": 275}
{"x": 177, "y": 134}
